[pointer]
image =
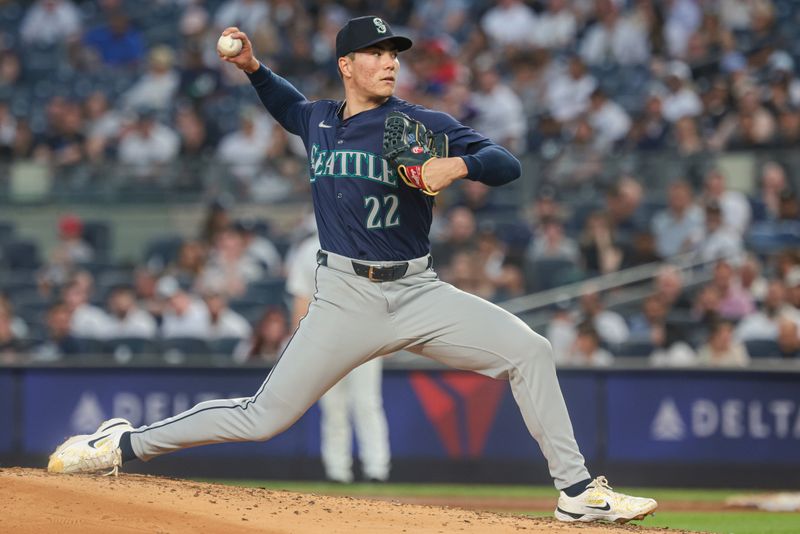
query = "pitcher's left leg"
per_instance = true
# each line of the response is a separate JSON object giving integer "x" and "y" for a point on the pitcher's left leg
{"x": 467, "y": 332}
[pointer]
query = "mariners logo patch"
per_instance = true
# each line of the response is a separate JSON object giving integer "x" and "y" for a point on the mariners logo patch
{"x": 379, "y": 25}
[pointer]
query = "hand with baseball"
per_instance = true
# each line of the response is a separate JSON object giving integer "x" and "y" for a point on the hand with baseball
{"x": 244, "y": 60}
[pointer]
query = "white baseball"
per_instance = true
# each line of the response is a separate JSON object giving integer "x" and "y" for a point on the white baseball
{"x": 228, "y": 46}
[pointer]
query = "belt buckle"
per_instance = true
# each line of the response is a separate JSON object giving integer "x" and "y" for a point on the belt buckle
{"x": 370, "y": 272}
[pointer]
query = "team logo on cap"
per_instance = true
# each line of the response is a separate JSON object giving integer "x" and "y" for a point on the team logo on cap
{"x": 379, "y": 25}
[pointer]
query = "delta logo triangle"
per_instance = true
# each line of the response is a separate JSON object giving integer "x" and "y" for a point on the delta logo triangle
{"x": 668, "y": 424}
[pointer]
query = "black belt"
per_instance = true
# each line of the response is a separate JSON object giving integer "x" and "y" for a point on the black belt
{"x": 374, "y": 273}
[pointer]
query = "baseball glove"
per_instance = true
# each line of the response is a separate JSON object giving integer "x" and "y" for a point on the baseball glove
{"x": 408, "y": 146}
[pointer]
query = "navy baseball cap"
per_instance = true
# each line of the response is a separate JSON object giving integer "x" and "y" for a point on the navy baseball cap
{"x": 362, "y": 32}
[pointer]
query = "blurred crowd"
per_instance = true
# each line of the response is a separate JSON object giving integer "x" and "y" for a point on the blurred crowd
{"x": 135, "y": 87}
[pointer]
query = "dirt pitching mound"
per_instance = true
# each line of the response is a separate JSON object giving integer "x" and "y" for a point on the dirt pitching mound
{"x": 35, "y": 501}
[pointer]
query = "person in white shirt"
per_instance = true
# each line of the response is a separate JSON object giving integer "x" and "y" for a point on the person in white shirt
{"x": 158, "y": 85}
{"x": 680, "y": 100}
{"x": 251, "y": 16}
{"x": 259, "y": 248}
{"x": 229, "y": 269}
{"x": 223, "y": 321}
{"x": 358, "y": 393}
{"x": 615, "y": 39}
{"x": 500, "y": 114}
{"x": 722, "y": 350}
{"x": 184, "y": 315}
{"x": 509, "y": 23}
{"x": 561, "y": 331}
{"x": 608, "y": 119}
{"x": 568, "y": 94}
{"x": 87, "y": 321}
{"x": 735, "y": 207}
{"x": 244, "y": 151}
{"x": 126, "y": 319}
{"x": 610, "y": 325}
{"x": 765, "y": 323}
{"x": 50, "y": 21}
{"x": 678, "y": 228}
{"x": 148, "y": 146}
{"x": 556, "y": 26}
{"x": 587, "y": 351}
{"x": 720, "y": 240}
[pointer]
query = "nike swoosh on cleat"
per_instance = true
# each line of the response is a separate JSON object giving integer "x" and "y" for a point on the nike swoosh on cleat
{"x": 604, "y": 508}
{"x": 323, "y": 125}
{"x": 91, "y": 443}
{"x": 573, "y": 516}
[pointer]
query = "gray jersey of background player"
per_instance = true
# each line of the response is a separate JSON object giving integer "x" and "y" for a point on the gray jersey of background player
{"x": 376, "y": 292}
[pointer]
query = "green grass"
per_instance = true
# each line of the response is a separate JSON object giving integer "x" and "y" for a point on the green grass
{"x": 727, "y": 522}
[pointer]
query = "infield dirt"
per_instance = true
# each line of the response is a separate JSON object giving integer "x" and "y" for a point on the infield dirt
{"x": 33, "y": 501}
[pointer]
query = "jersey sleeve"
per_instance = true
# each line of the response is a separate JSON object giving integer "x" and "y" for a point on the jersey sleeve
{"x": 486, "y": 161}
{"x": 284, "y": 102}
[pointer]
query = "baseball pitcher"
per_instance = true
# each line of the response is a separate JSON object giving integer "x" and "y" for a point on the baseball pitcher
{"x": 376, "y": 163}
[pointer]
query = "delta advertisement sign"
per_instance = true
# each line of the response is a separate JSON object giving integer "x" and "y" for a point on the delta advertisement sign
{"x": 704, "y": 418}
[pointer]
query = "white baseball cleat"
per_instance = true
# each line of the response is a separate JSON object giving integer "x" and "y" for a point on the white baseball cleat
{"x": 599, "y": 503}
{"x": 91, "y": 453}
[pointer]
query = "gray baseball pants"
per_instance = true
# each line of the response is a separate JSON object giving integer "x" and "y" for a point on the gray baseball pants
{"x": 352, "y": 320}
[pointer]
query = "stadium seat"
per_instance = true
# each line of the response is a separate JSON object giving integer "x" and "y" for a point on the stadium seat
{"x": 544, "y": 274}
{"x": 763, "y": 348}
{"x": 634, "y": 349}
{"x": 20, "y": 254}
{"x": 132, "y": 345}
{"x": 187, "y": 346}
{"x": 89, "y": 346}
{"x": 163, "y": 250}
{"x": 7, "y": 229}
{"x": 98, "y": 235}
{"x": 271, "y": 291}
{"x": 224, "y": 346}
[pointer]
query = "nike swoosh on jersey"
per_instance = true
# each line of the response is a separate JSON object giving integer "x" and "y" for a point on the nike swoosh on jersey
{"x": 323, "y": 125}
{"x": 604, "y": 508}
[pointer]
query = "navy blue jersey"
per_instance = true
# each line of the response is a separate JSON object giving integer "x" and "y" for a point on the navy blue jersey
{"x": 363, "y": 209}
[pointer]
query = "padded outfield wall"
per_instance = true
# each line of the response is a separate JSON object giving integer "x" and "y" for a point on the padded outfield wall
{"x": 642, "y": 427}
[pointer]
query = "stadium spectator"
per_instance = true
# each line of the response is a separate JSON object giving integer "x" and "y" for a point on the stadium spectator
{"x": 773, "y": 182}
{"x": 103, "y": 126}
{"x": 750, "y": 125}
{"x": 680, "y": 100}
{"x": 500, "y": 115}
{"x": 722, "y": 350}
{"x": 479, "y": 199}
{"x": 669, "y": 289}
{"x": 789, "y": 208}
{"x": 649, "y": 130}
{"x": 586, "y": 351}
{"x": 156, "y": 88}
{"x": 245, "y": 151}
{"x": 190, "y": 262}
{"x": 229, "y": 269}
{"x": 678, "y": 228}
{"x": 198, "y": 82}
{"x": 615, "y": 38}
{"x": 460, "y": 234}
{"x": 8, "y": 133}
{"x": 60, "y": 341}
{"x": 720, "y": 241}
{"x": 556, "y": 26}
{"x": 252, "y": 16}
{"x": 561, "y": 330}
{"x": 751, "y": 279}
{"x": 86, "y": 320}
{"x": 734, "y": 301}
{"x": 10, "y": 71}
{"x": 64, "y": 144}
{"x": 551, "y": 242}
{"x": 197, "y": 138}
{"x": 223, "y": 321}
{"x": 184, "y": 316}
{"x": 145, "y": 284}
{"x": 69, "y": 252}
{"x": 600, "y": 249}
{"x": 267, "y": 340}
{"x": 49, "y": 22}
{"x": 580, "y": 163}
{"x": 509, "y": 23}
{"x": 610, "y": 325}
{"x": 683, "y": 18}
{"x": 735, "y": 207}
{"x": 258, "y": 248}
{"x": 623, "y": 202}
{"x": 437, "y": 18}
{"x": 465, "y": 272}
{"x": 569, "y": 92}
{"x": 125, "y": 319}
{"x": 649, "y": 324}
{"x": 116, "y": 41}
{"x": 147, "y": 147}
{"x": 11, "y": 345}
{"x": 18, "y": 326}
{"x": 608, "y": 119}
{"x": 765, "y": 323}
